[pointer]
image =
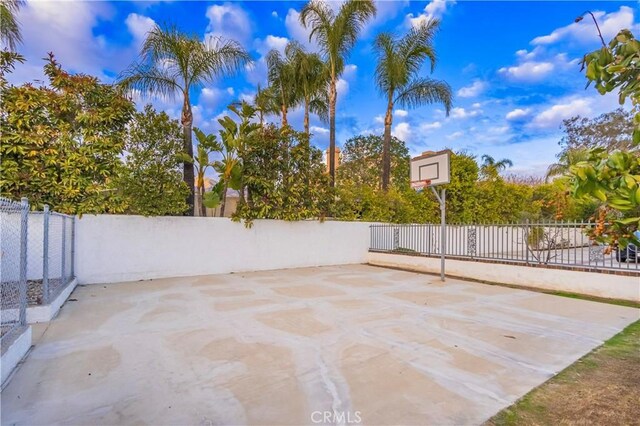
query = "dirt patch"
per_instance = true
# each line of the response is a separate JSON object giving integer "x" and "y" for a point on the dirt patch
{"x": 601, "y": 388}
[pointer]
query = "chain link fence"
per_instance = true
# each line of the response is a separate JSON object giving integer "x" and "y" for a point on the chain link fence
{"x": 37, "y": 259}
{"x": 14, "y": 218}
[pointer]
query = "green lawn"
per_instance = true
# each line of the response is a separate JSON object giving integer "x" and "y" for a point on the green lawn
{"x": 602, "y": 387}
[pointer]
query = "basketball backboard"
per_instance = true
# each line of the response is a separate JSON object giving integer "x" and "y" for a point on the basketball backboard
{"x": 431, "y": 169}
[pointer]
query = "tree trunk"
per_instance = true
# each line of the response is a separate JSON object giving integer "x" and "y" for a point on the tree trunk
{"x": 386, "y": 146}
{"x": 203, "y": 210}
{"x": 187, "y": 176}
{"x": 285, "y": 123}
{"x": 224, "y": 200}
{"x": 332, "y": 131}
{"x": 306, "y": 115}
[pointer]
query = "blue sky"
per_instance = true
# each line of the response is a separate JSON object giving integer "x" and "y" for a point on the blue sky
{"x": 514, "y": 66}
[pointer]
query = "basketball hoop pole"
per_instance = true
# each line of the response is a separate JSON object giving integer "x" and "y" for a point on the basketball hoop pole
{"x": 442, "y": 198}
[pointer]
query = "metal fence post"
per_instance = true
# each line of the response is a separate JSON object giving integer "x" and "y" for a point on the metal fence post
{"x": 45, "y": 255}
{"x": 526, "y": 240}
{"x": 24, "y": 223}
{"x": 63, "y": 274}
{"x": 73, "y": 247}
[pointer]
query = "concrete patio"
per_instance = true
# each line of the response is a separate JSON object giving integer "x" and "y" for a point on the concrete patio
{"x": 279, "y": 347}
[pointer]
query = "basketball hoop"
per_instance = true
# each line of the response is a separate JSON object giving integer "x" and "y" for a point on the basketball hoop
{"x": 420, "y": 184}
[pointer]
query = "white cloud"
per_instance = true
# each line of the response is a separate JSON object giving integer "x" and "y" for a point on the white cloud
{"x": 263, "y": 46}
{"x": 459, "y": 112}
{"x": 379, "y": 119}
{"x": 297, "y": 31}
{"x": 139, "y": 26}
{"x": 400, "y": 113}
{"x": 433, "y": 10}
{"x": 342, "y": 87}
{"x": 318, "y": 130}
{"x": 349, "y": 71}
{"x": 455, "y": 135}
{"x": 584, "y": 31}
{"x": 553, "y": 116}
{"x": 402, "y": 131}
{"x": 473, "y": 90}
{"x": 46, "y": 28}
{"x": 425, "y": 127}
{"x": 528, "y": 71}
{"x": 274, "y": 14}
{"x": 518, "y": 113}
{"x": 229, "y": 21}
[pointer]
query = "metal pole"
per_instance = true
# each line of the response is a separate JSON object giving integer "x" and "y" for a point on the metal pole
{"x": 443, "y": 224}
{"x": 24, "y": 223}
{"x": 73, "y": 247}
{"x": 63, "y": 272}
{"x": 45, "y": 256}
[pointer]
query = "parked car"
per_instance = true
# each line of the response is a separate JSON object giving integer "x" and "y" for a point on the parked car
{"x": 630, "y": 253}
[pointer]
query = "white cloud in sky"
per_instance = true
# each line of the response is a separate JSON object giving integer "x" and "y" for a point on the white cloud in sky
{"x": 229, "y": 21}
{"x": 473, "y": 90}
{"x": 318, "y": 130}
{"x": 425, "y": 127}
{"x": 518, "y": 113}
{"x": 552, "y": 117}
{"x": 400, "y": 113}
{"x": 379, "y": 119}
{"x": 297, "y": 31}
{"x": 528, "y": 71}
{"x": 460, "y": 113}
{"x": 139, "y": 26}
{"x": 263, "y": 46}
{"x": 402, "y": 131}
{"x": 584, "y": 31}
{"x": 433, "y": 10}
{"x": 274, "y": 14}
{"x": 455, "y": 135}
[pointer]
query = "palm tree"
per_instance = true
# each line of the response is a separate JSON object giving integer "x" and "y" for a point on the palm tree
{"x": 265, "y": 102}
{"x": 336, "y": 35}
{"x": 566, "y": 159}
{"x": 490, "y": 168}
{"x": 10, "y": 28}
{"x": 399, "y": 62}
{"x": 281, "y": 75}
{"x": 173, "y": 63}
{"x": 312, "y": 78}
{"x": 207, "y": 144}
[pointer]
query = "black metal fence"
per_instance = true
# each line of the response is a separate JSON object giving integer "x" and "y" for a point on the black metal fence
{"x": 543, "y": 243}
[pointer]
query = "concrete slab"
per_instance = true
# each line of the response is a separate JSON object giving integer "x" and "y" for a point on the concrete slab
{"x": 300, "y": 346}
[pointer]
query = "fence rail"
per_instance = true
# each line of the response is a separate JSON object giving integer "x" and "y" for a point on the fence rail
{"x": 37, "y": 259}
{"x": 545, "y": 243}
{"x": 13, "y": 268}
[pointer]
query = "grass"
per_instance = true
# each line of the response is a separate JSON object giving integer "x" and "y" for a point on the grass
{"x": 600, "y": 388}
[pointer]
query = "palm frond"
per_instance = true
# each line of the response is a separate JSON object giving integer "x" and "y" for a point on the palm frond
{"x": 423, "y": 91}
{"x": 149, "y": 80}
{"x": 9, "y": 26}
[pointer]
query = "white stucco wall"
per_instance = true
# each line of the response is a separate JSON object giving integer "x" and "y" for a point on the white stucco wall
{"x": 113, "y": 248}
{"x": 588, "y": 283}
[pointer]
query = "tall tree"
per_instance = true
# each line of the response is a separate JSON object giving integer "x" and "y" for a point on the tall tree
{"x": 172, "y": 63}
{"x": 150, "y": 181}
{"x": 9, "y": 26}
{"x": 362, "y": 161}
{"x": 399, "y": 63}
{"x": 490, "y": 168}
{"x": 61, "y": 144}
{"x": 282, "y": 80}
{"x": 311, "y": 78}
{"x": 611, "y": 130}
{"x": 336, "y": 34}
{"x": 566, "y": 159}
